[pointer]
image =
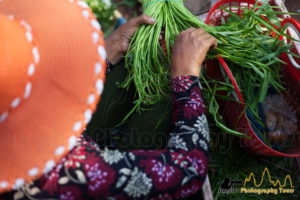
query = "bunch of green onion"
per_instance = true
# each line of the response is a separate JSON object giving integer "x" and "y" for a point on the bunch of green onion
{"x": 244, "y": 41}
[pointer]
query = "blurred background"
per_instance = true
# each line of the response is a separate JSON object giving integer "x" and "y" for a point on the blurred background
{"x": 109, "y": 11}
{"x": 293, "y": 6}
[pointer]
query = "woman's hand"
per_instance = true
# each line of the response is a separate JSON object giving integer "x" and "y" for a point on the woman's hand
{"x": 189, "y": 51}
{"x": 117, "y": 43}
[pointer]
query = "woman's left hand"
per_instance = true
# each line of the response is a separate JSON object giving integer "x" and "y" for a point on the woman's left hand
{"x": 117, "y": 43}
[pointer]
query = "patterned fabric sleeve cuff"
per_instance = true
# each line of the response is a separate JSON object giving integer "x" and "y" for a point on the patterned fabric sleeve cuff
{"x": 109, "y": 67}
{"x": 182, "y": 85}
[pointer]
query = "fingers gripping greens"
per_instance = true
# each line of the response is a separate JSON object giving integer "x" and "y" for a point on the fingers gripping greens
{"x": 244, "y": 41}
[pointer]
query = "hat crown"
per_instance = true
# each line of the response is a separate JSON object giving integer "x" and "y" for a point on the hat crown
{"x": 17, "y": 62}
{"x": 63, "y": 42}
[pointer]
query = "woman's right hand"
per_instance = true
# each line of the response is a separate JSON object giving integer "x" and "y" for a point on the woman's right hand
{"x": 189, "y": 51}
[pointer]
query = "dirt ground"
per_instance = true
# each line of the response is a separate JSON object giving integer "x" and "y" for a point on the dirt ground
{"x": 293, "y": 6}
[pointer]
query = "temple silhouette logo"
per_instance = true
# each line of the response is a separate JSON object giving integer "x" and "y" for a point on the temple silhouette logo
{"x": 264, "y": 184}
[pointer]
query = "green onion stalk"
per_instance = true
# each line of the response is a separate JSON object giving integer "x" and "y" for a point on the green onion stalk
{"x": 243, "y": 41}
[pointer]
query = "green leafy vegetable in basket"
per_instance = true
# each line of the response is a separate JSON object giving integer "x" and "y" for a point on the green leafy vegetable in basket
{"x": 244, "y": 41}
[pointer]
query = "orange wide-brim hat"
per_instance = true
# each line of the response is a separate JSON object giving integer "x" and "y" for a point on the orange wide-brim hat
{"x": 52, "y": 70}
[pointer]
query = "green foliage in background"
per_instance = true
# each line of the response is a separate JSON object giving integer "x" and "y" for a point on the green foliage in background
{"x": 129, "y": 3}
{"x": 104, "y": 13}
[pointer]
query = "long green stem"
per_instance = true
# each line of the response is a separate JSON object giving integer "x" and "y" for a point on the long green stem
{"x": 244, "y": 41}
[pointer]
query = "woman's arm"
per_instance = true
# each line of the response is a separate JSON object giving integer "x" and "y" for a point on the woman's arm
{"x": 177, "y": 172}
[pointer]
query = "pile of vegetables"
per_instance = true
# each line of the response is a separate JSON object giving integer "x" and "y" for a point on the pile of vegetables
{"x": 243, "y": 41}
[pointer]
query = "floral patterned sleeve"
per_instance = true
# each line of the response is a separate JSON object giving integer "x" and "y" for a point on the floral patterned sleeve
{"x": 89, "y": 172}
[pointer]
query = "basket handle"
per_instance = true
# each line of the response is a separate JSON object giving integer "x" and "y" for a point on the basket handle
{"x": 212, "y": 12}
{"x": 292, "y": 23}
{"x": 232, "y": 79}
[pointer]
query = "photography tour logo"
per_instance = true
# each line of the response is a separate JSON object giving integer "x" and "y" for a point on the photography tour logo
{"x": 264, "y": 185}
{"x": 230, "y": 186}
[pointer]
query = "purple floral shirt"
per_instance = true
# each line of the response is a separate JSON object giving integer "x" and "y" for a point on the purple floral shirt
{"x": 177, "y": 172}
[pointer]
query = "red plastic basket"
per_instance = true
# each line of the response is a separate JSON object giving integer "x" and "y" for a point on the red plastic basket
{"x": 290, "y": 75}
